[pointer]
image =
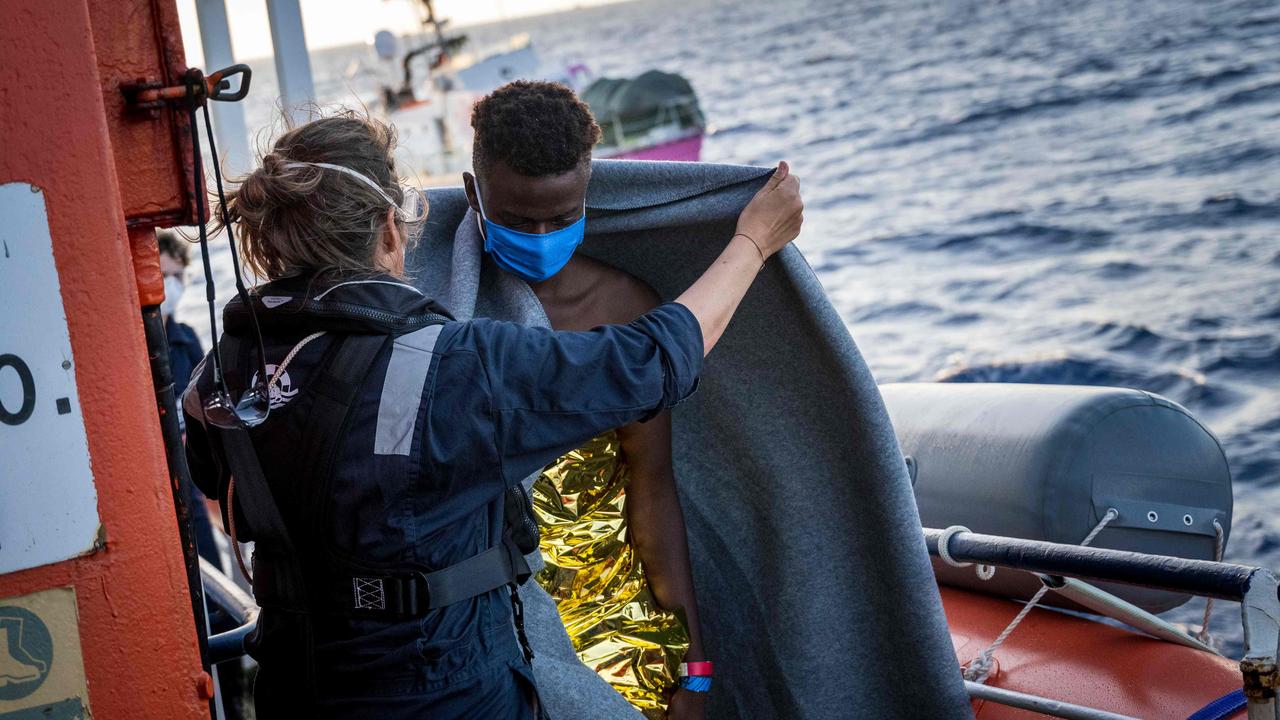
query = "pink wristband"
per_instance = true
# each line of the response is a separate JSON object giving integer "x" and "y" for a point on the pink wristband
{"x": 696, "y": 669}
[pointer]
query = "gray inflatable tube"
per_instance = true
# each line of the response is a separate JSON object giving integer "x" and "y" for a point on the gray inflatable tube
{"x": 1046, "y": 462}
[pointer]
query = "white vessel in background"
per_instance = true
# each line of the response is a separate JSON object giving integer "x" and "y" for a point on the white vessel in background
{"x": 428, "y": 92}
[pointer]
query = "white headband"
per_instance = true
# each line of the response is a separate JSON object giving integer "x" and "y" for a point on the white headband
{"x": 359, "y": 176}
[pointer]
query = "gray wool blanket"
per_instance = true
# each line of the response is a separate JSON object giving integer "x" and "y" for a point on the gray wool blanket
{"x": 813, "y": 583}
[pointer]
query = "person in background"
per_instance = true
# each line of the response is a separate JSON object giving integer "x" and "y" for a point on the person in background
{"x": 184, "y": 345}
{"x": 184, "y": 354}
{"x": 613, "y": 534}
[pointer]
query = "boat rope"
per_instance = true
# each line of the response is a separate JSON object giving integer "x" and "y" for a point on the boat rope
{"x": 980, "y": 667}
{"x": 231, "y": 529}
{"x": 1204, "y": 636}
{"x": 275, "y": 376}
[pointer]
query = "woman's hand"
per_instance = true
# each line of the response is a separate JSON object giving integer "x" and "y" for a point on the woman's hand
{"x": 773, "y": 217}
{"x": 687, "y": 705}
{"x": 770, "y": 221}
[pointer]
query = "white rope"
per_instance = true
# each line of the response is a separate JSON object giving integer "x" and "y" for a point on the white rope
{"x": 980, "y": 668}
{"x": 275, "y": 377}
{"x": 1204, "y": 636}
{"x": 944, "y": 543}
{"x": 231, "y": 528}
{"x": 985, "y": 572}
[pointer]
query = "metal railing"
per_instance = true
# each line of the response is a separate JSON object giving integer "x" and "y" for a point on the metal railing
{"x": 1255, "y": 588}
{"x": 222, "y": 591}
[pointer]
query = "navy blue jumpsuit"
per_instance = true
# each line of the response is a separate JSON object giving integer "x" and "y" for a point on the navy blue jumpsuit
{"x": 449, "y": 417}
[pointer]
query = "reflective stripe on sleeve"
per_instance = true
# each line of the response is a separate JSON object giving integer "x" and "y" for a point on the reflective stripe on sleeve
{"x": 402, "y": 390}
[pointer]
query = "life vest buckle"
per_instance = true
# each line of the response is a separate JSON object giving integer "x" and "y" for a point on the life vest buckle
{"x": 400, "y": 595}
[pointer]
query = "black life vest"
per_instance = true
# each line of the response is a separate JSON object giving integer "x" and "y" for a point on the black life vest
{"x": 295, "y": 566}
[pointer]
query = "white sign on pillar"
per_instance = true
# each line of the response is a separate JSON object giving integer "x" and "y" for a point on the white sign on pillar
{"x": 48, "y": 502}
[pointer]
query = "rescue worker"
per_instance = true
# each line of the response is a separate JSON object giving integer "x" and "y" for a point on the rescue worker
{"x": 184, "y": 344}
{"x": 371, "y": 447}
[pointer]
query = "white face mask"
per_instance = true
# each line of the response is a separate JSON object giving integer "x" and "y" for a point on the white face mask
{"x": 173, "y": 287}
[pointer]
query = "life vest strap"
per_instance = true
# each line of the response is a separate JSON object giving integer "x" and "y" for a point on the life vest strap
{"x": 352, "y": 590}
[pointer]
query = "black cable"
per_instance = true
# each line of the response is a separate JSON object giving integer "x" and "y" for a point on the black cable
{"x": 235, "y": 257}
{"x": 193, "y": 81}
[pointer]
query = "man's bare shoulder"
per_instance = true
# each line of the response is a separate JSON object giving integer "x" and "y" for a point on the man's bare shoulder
{"x": 619, "y": 295}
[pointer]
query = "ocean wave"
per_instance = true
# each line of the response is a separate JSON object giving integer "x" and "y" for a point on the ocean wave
{"x": 1120, "y": 270}
{"x": 1016, "y": 239}
{"x": 961, "y": 318}
{"x": 1258, "y": 93}
{"x": 1251, "y": 453}
{"x": 1217, "y": 211}
{"x": 895, "y": 310}
{"x": 1088, "y": 65}
{"x": 1226, "y": 158}
{"x": 1220, "y": 76}
{"x": 744, "y": 128}
{"x": 1130, "y": 338}
{"x": 838, "y": 200}
{"x": 1178, "y": 384}
{"x": 1263, "y": 355}
{"x": 1231, "y": 101}
{"x": 1259, "y": 22}
{"x": 993, "y": 112}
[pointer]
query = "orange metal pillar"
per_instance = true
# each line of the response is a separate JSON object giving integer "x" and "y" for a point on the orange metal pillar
{"x": 136, "y": 629}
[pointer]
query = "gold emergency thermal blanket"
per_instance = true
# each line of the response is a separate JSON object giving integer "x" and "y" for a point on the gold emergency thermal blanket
{"x": 597, "y": 580}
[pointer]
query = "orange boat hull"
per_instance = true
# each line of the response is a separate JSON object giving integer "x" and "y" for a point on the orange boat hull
{"x": 1075, "y": 660}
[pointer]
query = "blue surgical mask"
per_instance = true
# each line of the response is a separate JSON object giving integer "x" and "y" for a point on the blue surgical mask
{"x": 530, "y": 256}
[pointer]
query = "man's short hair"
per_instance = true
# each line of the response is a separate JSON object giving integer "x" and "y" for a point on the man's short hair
{"x": 537, "y": 128}
{"x": 174, "y": 246}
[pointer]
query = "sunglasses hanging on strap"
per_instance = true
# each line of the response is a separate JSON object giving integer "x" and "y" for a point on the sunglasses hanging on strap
{"x": 254, "y": 405}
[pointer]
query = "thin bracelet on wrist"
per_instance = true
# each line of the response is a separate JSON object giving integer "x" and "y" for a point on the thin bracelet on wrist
{"x": 754, "y": 243}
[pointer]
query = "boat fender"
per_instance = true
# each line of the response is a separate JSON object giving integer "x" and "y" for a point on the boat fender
{"x": 1046, "y": 462}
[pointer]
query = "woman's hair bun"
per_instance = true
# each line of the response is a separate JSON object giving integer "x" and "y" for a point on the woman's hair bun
{"x": 270, "y": 163}
{"x": 304, "y": 219}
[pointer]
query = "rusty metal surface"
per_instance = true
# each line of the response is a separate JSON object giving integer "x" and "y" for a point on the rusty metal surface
{"x": 141, "y": 42}
{"x": 1260, "y": 679}
{"x": 597, "y": 580}
{"x": 137, "y": 632}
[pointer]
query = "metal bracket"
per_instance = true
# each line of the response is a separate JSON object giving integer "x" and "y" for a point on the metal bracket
{"x": 197, "y": 87}
{"x": 1260, "y": 613}
{"x": 1169, "y": 517}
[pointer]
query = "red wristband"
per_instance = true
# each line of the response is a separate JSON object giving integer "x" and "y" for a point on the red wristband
{"x": 696, "y": 669}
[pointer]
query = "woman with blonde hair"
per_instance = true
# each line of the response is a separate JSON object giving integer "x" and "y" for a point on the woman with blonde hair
{"x": 376, "y": 474}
